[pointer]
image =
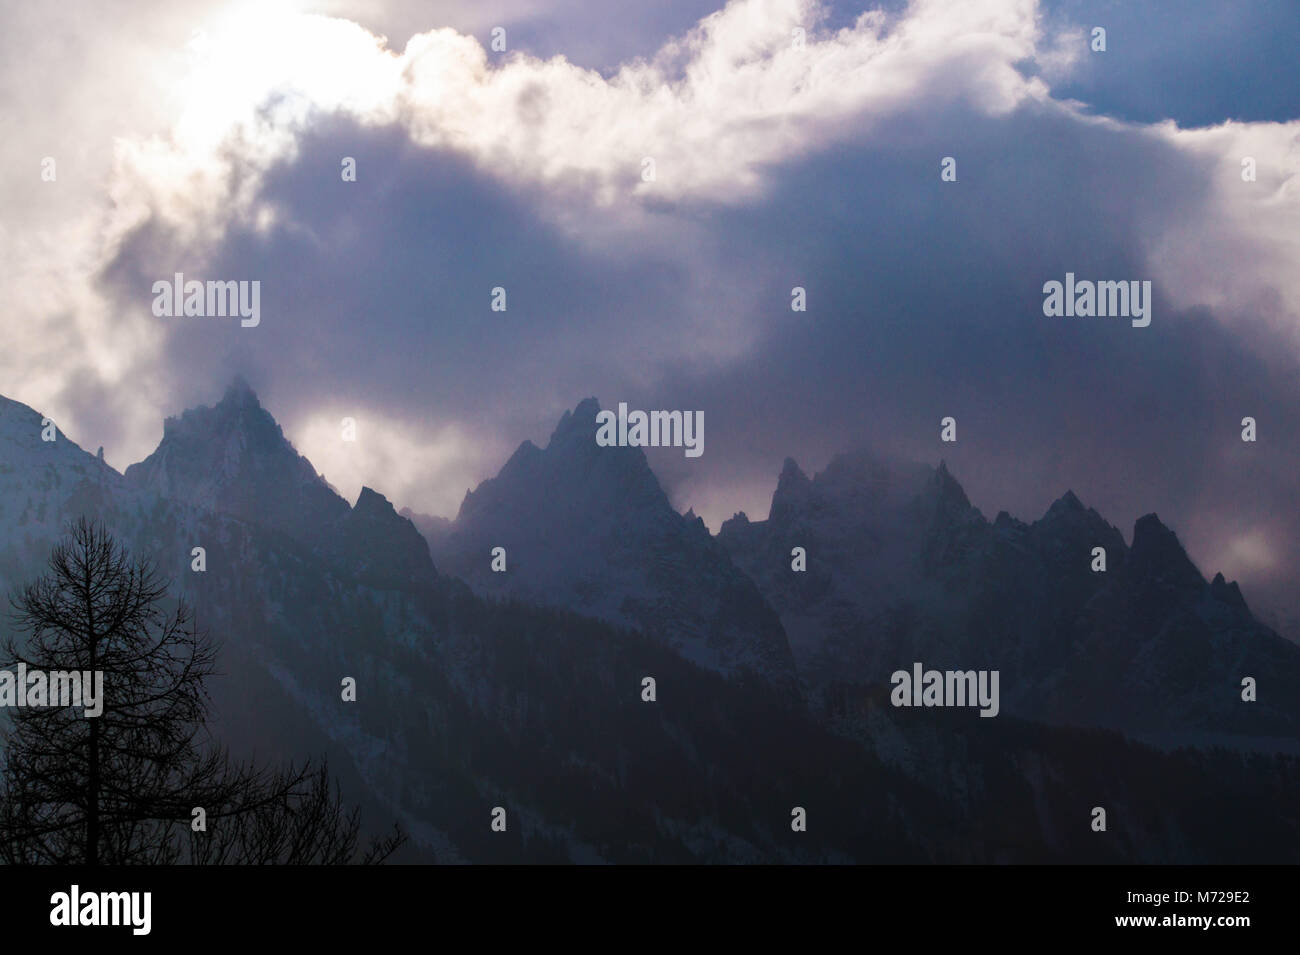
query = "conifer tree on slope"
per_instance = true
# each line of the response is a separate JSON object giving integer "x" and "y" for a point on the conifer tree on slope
{"x": 120, "y": 788}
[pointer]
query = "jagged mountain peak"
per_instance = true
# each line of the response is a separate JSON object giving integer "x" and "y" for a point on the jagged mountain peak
{"x": 1070, "y": 516}
{"x": 234, "y": 457}
{"x": 932, "y": 579}
{"x": 383, "y": 542}
{"x": 864, "y": 487}
{"x": 1005, "y": 522}
{"x": 589, "y": 527}
{"x": 946, "y": 495}
{"x": 239, "y": 391}
{"x": 373, "y": 504}
{"x": 1157, "y": 552}
{"x": 944, "y": 480}
{"x": 1227, "y": 592}
{"x": 791, "y": 473}
{"x": 520, "y": 462}
{"x": 581, "y": 421}
{"x": 1067, "y": 502}
{"x": 239, "y": 414}
{"x": 1152, "y": 538}
{"x": 792, "y": 488}
{"x": 572, "y": 472}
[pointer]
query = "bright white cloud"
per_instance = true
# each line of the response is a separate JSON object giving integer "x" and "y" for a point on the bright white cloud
{"x": 426, "y": 466}
{"x": 713, "y": 109}
{"x": 1237, "y": 254}
{"x": 716, "y": 107}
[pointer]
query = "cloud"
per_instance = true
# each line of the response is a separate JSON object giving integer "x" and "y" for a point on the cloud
{"x": 720, "y": 107}
{"x": 776, "y": 165}
{"x": 400, "y": 459}
{"x": 713, "y": 109}
{"x": 1236, "y": 252}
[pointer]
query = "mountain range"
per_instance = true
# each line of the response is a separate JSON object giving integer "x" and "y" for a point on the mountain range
{"x": 901, "y": 567}
{"x": 523, "y": 687}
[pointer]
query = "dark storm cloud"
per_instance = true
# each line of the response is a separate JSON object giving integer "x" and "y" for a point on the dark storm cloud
{"x": 379, "y": 292}
{"x": 925, "y": 300}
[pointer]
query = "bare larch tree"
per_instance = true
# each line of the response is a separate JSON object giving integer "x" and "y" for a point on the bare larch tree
{"x": 121, "y": 787}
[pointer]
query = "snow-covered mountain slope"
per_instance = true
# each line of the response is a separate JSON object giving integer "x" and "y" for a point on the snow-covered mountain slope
{"x": 35, "y": 471}
{"x": 234, "y": 458}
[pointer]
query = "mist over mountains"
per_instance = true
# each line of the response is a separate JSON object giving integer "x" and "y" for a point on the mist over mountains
{"x": 902, "y": 566}
{"x": 590, "y": 529}
{"x": 524, "y": 687}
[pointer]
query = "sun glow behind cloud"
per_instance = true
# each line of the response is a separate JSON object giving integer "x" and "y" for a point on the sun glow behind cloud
{"x": 430, "y": 464}
{"x": 275, "y": 63}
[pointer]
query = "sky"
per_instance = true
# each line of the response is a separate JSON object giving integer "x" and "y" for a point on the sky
{"x": 794, "y": 144}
